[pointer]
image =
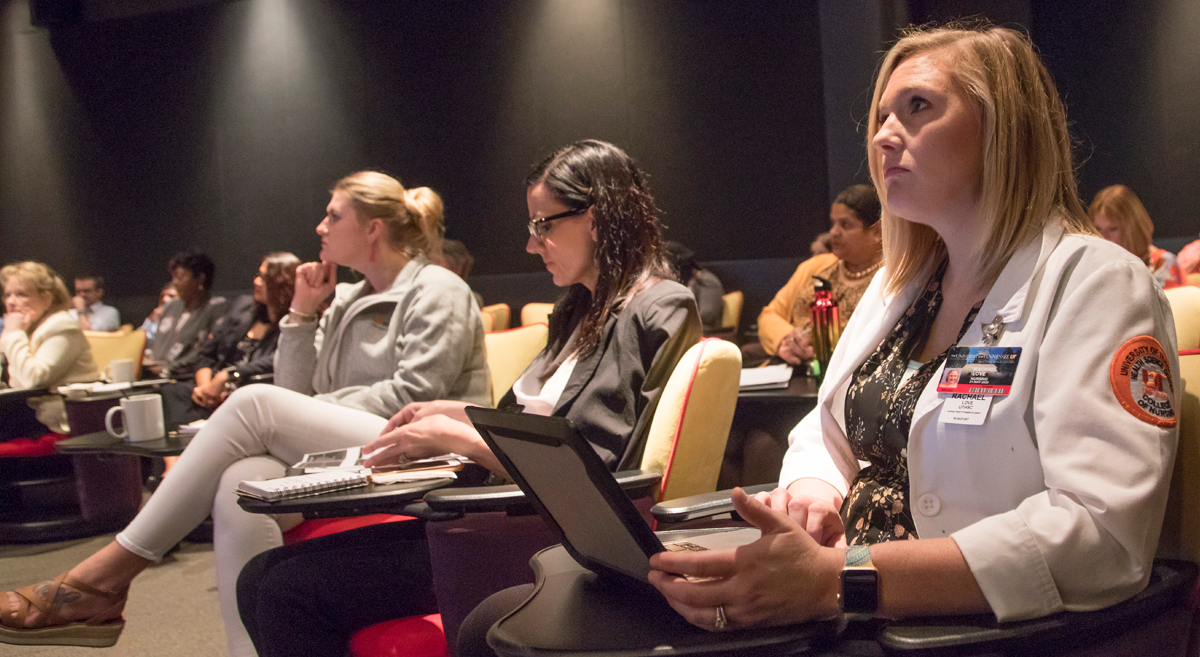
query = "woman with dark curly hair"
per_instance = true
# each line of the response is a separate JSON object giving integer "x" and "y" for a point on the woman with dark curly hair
{"x": 615, "y": 337}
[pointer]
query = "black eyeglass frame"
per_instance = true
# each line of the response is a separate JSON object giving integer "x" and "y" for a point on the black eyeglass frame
{"x": 535, "y": 225}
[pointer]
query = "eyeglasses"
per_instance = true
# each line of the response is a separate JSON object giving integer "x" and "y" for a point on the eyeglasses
{"x": 539, "y": 227}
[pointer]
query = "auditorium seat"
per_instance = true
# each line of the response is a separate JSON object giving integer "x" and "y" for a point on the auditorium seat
{"x": 536, "y": 313}
{"x": 500, "y": 314}
{"x": 107, "y": 347}
{"x": 685, "y": 444}
{"x": 510, "y": 352}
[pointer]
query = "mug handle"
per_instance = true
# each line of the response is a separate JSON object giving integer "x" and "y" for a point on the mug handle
{"x": 108, "y": 418}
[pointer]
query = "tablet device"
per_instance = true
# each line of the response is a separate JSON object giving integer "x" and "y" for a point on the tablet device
{"x": 571, "y": 488}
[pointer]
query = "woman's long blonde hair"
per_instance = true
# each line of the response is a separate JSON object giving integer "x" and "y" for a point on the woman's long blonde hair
{"x": 414, "y": 218}
{"x": 1028, "y": 170}
{"x": 1121, "y": 206}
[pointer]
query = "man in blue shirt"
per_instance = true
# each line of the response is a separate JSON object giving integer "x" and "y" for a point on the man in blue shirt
{"x": 89, "y": 309}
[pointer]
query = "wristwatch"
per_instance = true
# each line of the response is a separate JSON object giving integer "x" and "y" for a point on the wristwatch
{"x": 233, "y": 380}
{"x": 860, "y": 582}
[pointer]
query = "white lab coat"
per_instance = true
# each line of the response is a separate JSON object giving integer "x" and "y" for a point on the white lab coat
{"x": 1057, "y": 500}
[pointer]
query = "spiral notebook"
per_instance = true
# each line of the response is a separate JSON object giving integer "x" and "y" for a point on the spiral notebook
{"x": 286, "y": 488}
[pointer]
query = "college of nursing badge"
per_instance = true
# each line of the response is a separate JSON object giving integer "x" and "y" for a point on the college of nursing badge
{"x": 1141, "y": 379}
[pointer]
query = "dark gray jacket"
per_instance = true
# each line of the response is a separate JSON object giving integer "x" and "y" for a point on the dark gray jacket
{"x": 178, "y": 347}
{"x": 611, "y": 395}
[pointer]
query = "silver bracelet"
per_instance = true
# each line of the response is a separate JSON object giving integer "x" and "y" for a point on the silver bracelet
{"x": 301, "y": 317}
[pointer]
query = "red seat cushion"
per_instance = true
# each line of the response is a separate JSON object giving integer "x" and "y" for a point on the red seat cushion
{"x": 326, "y": 526}
{"x": 415, "y": 636}
{"x": 43, "y": 446}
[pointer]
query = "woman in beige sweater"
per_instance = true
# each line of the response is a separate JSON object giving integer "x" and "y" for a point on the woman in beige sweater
{"x": 41, "y": 342}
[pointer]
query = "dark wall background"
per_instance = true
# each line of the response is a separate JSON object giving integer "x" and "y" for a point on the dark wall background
{"x": 1128, "y": 71}
{"x": 150, "y": 126}
{"x": 1130, "y": 75}
{"x": 222, "y": 126}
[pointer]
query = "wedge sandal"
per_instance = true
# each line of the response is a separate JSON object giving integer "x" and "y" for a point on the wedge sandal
{"x": 99, "y": 631}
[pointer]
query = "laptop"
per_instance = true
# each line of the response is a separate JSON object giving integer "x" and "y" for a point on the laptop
{"x": 573, "y": 491}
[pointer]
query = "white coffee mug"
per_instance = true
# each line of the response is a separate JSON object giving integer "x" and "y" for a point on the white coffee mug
{"x": 143, "y": 418}
{"x": 120, "y": 370}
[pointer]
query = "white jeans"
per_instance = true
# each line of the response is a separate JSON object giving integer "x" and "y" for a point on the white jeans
{"x": 255, "y": 434}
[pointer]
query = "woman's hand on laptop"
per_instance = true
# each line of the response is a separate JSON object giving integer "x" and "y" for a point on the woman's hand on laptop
{"x": 784, "y": 577}
{"x": 815, "y": 505}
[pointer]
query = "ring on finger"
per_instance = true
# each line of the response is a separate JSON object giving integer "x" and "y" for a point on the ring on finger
{"x": 721, "y": 621}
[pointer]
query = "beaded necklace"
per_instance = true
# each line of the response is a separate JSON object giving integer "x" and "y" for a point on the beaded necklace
{"x": 856, "y": 276}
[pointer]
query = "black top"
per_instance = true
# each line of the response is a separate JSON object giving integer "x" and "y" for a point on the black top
{"x": 612, "y": 394}
{"x": 228, "y": 345}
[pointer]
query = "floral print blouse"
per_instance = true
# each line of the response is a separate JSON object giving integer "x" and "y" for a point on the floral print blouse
{"x": 876, "y": 508}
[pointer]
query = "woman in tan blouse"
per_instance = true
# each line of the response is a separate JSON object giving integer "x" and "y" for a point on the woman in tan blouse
{"x": 783, "y": 326}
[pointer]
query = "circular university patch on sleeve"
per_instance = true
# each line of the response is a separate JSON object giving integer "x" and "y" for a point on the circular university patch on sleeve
{"x": 1141, "y": 380}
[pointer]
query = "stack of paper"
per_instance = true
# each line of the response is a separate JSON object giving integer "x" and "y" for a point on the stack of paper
{"x": 765, "y": 378}
{"x": 192, "y": 428}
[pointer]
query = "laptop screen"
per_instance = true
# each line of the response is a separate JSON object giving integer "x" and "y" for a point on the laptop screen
{"x": 572, "y": 489}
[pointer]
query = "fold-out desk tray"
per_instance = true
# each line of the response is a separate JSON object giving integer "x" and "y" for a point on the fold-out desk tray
{"x": 103, "y": 442}
{"x": 361, "y": 501}
{"x": 14, "y": 395}
{"x": 575, "y": 612}
{"x": 798, "y": 389}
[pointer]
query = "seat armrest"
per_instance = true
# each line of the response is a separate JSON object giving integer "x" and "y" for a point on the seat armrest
{"x": 1170, "y": 587}
{"x": 702, "y": 506}
{"x": 509, "y": 498}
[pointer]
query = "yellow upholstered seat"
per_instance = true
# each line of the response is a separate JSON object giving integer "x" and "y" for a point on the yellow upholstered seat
{"x": 500, "y": 314}
{"x": 691, "y": 424}
{"x": 1185, "y": 305}
{"x": 510, "y": 352}
{"x": 732, "y": 315}
{"x": 536, "y": 313}
{"x": 1181, "y": 533}
{"x": 1180, "y": 537}
{"x": 107, "y": 347}
{"x": 487, "y": 320}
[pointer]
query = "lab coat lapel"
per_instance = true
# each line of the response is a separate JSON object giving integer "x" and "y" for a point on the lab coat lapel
{"x": 854, "y": 348}
{"x": 1006, "y": 300}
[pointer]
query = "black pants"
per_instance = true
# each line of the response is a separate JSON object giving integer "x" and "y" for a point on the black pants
{"x": 178, "y": 407}
{"x": 309, "y": 598}
{"x": 19, "y": 420}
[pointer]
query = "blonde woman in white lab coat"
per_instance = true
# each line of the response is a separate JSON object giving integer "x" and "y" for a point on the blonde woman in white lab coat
{"x": 1049, "y": 497}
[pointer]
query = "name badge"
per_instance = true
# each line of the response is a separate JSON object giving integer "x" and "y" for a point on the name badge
{"x": 979, "y": 370}
{"x": 965, "y": 409}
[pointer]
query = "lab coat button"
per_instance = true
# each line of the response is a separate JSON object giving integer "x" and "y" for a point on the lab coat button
{"x": 929, "y": 504}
